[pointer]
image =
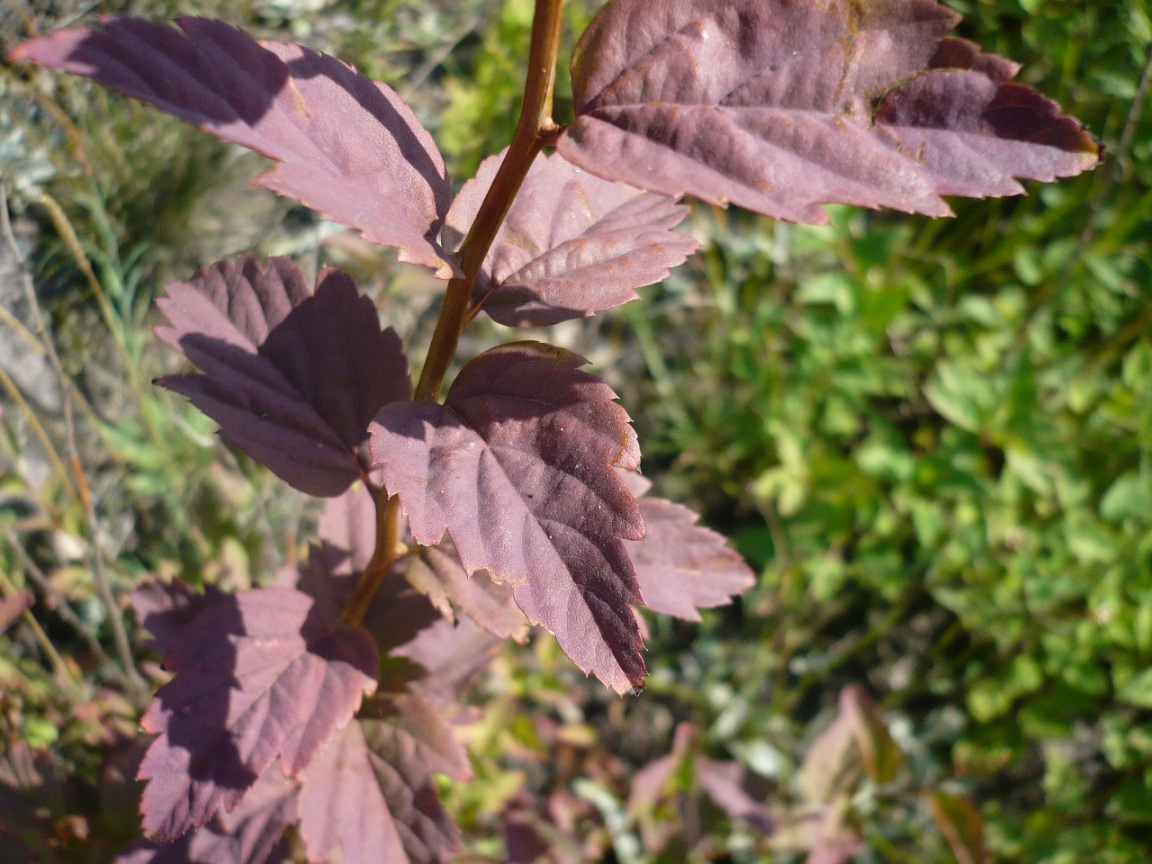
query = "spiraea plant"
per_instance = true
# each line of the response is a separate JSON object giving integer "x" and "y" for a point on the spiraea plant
{"x": 325, "y": 700}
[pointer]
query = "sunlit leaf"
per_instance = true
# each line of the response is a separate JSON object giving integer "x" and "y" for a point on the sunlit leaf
{"x": 518, "y": 465}
{"x": 440, "y": 576}
{"x": 371, "y": 794}
{"x": 253, "y": 833}
{"x": 680, "y": 566}
{"x": 347, "y": 146}
{"x": 571, "y": 245}
{"x": 781, "y": 107}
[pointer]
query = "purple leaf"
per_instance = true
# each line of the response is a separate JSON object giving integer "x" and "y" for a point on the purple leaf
{"x": 257, "y": 677}
{"x": 253, "y": 833}
{"x": 166, "y": 608}
{"x": 734, "y": 790}
{"x": 347, "y": 147}
{"x": 518, "y": 465}
{"x": 13, "y": 606}
{"x": 821, "y": 831}
{"x": 439, "y": 575}
{"x": 371, "y": 792}
{"x": 293, "y": 379}
{"x": 449, "y": 657}
{"x": 781, "y": 107}
{"x": 349, "y": 523}
{"x": 572, "y": 244}
{"x": 680, "y": 566}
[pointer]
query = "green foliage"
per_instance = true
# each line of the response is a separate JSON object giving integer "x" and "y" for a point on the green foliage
{"x": 937, "y": 438}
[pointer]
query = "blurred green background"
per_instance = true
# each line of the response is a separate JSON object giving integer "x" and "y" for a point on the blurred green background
{"x": 931, "y": 439}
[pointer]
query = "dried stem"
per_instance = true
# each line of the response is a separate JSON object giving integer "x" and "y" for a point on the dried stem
{"x": 534, "y": 129}
{"x": 61, "y": 605}
{"x": 135, "y": 683}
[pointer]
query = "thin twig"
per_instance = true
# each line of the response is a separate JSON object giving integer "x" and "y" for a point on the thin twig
{"x": 1124, "y": 158}
{"x": 61, "y": 605}
{"x": 45, "y": 643}
{"x": 104, "y": 589}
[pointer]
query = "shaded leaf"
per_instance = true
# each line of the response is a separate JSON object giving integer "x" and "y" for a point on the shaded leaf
{"x": 449, "y": 658}
{"x": 293, "y": 379}
{"x": 782, "y": 107}
{"x": 571, "y": 245}
{"x": 166, "y": 608}
{"x": 440, "y": 576}
{"x": 347, "y": 147}
{"x": 371, "y": 793}
{"x": 258, "y": 676}
{"x": 253, "y": 833}
{"x": 518, "y": 465}
{"x": 682, "y": 567}
{"x": 349, "y": 523}
{"x": 962, "y": 826}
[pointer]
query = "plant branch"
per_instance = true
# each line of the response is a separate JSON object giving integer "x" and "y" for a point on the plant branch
{"x": 534, "y": 129}
{"x": 532, "y": 132}
{"x": 383, "y": 557}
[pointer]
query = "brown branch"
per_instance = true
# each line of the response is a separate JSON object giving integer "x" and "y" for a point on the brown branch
{"x": 534, "y": 128}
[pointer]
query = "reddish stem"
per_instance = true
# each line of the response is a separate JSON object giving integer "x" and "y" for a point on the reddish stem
{"x": 534, "y": 128}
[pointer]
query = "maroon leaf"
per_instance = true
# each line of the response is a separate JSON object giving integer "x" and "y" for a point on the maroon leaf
{"x": 371, "y": 792}
{"x": 166, "y": 608}
{"x": 680, "y": 566}
{"x": 572, "y": 244}
{"x": 439, "y": 575}
{"x": 13, "y": 606}
{"x": 293, "y": 379}
{"x": 349, "y": 523}
{"x": 253, "y": 833}
{"x": 735, "y": 791}
{"x": 257, "y": 677}
{"x": 518, "y": 466}
{"x": 781, "y": 107}
{"x": 347, "y": 146}
{"x": 449, "y": 657}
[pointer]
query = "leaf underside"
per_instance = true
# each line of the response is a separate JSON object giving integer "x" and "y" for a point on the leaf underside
{"x": 347, "y": 146}
{"x": 682, "y": 567}
{"x": 519, "y": 465}
{"x": 253, "y": 833}
{"x": 571, "y": 245}
{"x": 371, "y": 793}
{"x": 438, "y": 574}
{"x": 781, "y": 107}
{"x": 293, "y": 378}
{"x": 258, "y": 676}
